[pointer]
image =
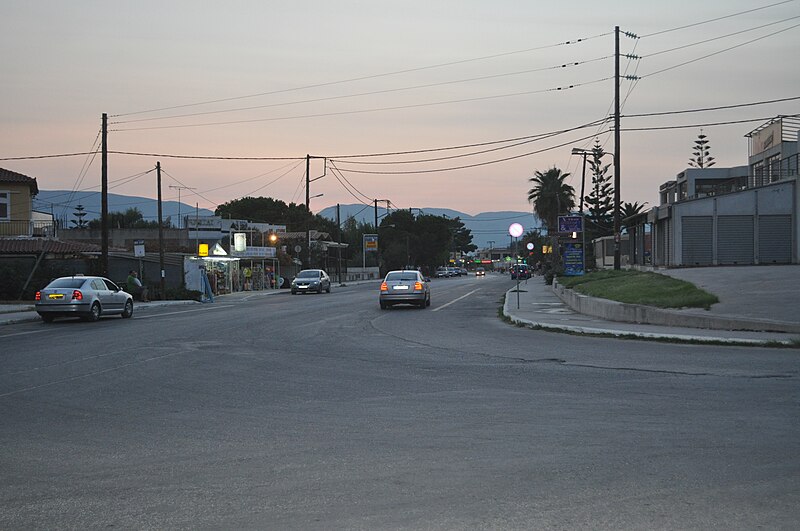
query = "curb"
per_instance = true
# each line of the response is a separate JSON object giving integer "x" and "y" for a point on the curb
{"x": 640, "y": 314}
{"x": 628, "y": 334}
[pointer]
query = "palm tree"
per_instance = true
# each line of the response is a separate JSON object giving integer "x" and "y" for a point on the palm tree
{"x": 631, "y": 209}
{"x": 551, "y": 196}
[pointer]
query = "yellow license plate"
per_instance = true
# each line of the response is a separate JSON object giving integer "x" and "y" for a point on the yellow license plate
{"x": 55, "y": 296}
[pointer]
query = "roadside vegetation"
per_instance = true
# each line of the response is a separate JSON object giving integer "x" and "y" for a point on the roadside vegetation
{"x": 638, "y": 287}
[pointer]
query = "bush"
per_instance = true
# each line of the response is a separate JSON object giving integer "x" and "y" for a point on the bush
{"x": 14, "y": 273}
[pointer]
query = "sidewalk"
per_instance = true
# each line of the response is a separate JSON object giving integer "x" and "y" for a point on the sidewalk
{"x": 759, "y": 297}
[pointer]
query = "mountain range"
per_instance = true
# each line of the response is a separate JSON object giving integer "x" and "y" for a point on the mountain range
{"x": 489, "y": 229}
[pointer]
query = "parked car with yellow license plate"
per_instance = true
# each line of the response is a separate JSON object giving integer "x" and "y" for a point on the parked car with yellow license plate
{"x": 405, "y": 287}
{"x": 81, "y": 296}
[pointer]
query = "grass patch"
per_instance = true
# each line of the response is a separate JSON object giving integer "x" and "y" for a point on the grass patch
{"x": 640, "y": 287}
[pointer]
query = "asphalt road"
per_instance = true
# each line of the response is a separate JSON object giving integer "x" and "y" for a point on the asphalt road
{"x": 324, "y": 412}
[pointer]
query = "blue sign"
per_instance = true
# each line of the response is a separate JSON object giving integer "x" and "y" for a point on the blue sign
{"x": 570, "y": 224}
{"x": 573, "y": 259}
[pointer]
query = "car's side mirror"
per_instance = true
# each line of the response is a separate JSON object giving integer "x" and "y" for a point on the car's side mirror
{"x": 427, "y": 279}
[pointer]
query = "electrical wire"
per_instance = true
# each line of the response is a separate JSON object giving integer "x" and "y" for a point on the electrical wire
{"x": 374, "y": 76}
{"x": 709, "y": 124}
{"x": 718, "y": 52}
{"x": 465, "y": 146}
{"x": 371, "y": 110}
{"x": 715, "y": 19}
{"x": 718, "y": 38}
{"x": 370, "y": 93}
{"x": 708, "y": 109}
{"x": 287, "y": 172}
{"x": 335, "y": 170}
{"x": 468, "y": 165}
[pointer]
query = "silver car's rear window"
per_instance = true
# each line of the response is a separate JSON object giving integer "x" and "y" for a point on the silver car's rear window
{"x": 67, "y": 283}
{"x": 395, "y": 277}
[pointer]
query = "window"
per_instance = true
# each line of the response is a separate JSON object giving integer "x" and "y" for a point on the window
{"x": 5, "y": 206}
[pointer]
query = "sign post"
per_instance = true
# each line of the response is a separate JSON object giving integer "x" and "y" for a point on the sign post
{"x": 516, "y": 230}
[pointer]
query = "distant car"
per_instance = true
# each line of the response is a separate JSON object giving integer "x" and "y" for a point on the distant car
{"x": 520, "y": 272}
{"x": 463, "y": 271}
{"x": 309, "y": 280}
{"x": 480, "y": 272}
{"x": 82, "y": 296}
{"x": 405, "y": 287}
{"x": 442, "y": 272}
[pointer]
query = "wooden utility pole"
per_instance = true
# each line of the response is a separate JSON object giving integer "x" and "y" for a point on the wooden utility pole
{"x": 616, "y": 150}
{"x": 104, "y": 197}
{"x": 308, "y": 207}
{"x": 161, "y": 236}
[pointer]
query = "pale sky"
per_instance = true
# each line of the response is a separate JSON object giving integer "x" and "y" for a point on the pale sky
{"x": 342, "y": 78}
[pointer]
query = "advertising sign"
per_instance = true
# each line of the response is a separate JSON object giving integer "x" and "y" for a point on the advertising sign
{"x": 573, "y": 259}
{"x": 371, "y": 242}
{"x": 255, "y": 252}
{"x": 570, "y": 224}
{"x": 240, "y": 242}
{"x": 138, "y": 248}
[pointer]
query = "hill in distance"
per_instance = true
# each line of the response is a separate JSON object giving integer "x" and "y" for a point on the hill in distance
{"x": 62, "y": 203}
{"x": 486, "y": 227}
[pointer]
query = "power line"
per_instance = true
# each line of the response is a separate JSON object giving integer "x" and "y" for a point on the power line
{"x": 374, "y": 76}
{"x": 718, "y": 52}
{"x": 374, "y": 109}
{"x": 716, "y": 19}
{"x": 707, "y": 109}
{"x": 708, "y": 124}
{"x": 718, "y": 38}
{"x": 370, "y": 93}
{"x": 468, "y": 165}
{"x": 341, "y": 158}
{"x": 333, "y": 167}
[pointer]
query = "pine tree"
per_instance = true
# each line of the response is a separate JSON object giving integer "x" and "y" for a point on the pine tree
{"x": 79, "y": 213}
{"x": 701, "y": 159}
{"x": 600, "y": 201}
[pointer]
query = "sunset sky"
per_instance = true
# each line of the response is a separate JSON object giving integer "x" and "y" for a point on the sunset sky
{"x": 340, "y": 80}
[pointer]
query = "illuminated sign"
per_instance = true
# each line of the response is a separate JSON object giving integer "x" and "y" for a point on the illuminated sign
{"x": 202, "y": 249}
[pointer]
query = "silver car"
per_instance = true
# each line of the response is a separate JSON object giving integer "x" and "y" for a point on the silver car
{"x": 309, "y": 280}
{"x": 82, "y": 296}
{"x": 405, "y": 287}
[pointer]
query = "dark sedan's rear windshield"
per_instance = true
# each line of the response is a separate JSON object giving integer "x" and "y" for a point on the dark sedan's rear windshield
{"x": 394, "y": 277}
{"x": 67, "y": 283}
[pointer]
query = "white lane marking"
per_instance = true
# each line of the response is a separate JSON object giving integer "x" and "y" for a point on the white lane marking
{"x": 443, "y": 306}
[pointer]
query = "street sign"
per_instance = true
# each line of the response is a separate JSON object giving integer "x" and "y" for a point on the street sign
{"x": 515, "y": 230}
{"x": 570, "y": 224}
{"x": 371, "y": 242}
{"x": 138, "y": 248}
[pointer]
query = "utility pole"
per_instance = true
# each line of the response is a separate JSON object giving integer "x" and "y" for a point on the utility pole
{"x": 104, "y": 197}
{"x": 339, "y": 246}
{"x": 616, "y": 150}
{"x": 160, "y": 235}
{"x": 179, "y": 188}
{"x": 308, "y": 207}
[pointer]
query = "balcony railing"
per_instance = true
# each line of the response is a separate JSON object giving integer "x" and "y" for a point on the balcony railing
{"x": 26, "y": 228}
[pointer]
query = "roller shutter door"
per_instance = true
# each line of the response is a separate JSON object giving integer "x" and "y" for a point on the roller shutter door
{"x": 697, "y": 243}
{"x": 735, "y": 240}
{"x": 774, "y": 239}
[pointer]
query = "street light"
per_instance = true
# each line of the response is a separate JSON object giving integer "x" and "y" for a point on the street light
{"x": 585, "y": 152}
